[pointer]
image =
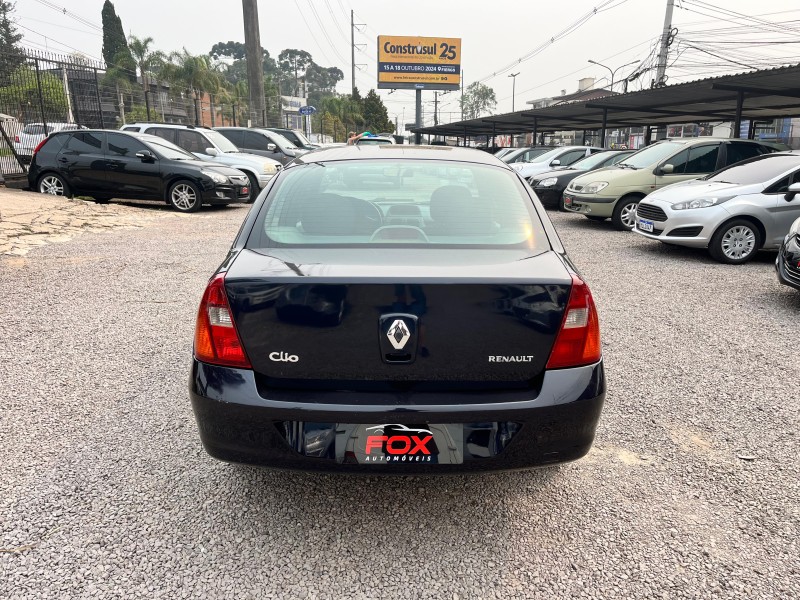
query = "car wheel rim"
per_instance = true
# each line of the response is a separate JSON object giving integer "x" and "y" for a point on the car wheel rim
{"x": 183, "y": 196}
{"x": 51, "y": 185}
{"x": 628, "y": 215}
{"x": 738, "y": 242}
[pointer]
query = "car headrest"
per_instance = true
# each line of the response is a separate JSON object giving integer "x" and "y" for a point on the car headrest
{"x": 455, "y": 208}
{"x": 331, "y": 214}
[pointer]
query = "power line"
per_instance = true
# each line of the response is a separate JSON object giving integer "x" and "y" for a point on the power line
{"x": 70, "y": 14}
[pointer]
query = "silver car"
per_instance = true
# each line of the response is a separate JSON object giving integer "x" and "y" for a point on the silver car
{"x": 733, "y": 212}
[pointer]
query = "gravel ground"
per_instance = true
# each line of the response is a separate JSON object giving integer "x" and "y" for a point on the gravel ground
{"x": 691, "y": 490}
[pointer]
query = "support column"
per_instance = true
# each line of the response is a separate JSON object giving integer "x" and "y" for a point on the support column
{"x": 418, "y": 117}
{"x": 737, "y": 120}
{"x": 603, "y": 129}
{"x": 535, "y": 131}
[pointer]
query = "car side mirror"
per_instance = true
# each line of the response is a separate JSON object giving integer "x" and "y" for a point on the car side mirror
{"x": 555, "y": 163}
{"x": 145, "y": 156}
{"x": 667, "y": 169}
{"x": 271, "y": 147}
{"x": 212, "y": 151}
{"x": 793, "y": 190}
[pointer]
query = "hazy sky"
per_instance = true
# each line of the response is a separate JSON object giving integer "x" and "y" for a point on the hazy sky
{"x": 494, "y": 35}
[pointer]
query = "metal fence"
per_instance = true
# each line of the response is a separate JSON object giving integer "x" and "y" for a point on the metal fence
{"x": 40, "y": 91}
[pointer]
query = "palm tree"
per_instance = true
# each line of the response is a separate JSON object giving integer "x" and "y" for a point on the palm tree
{"x": 148, "y": 61}
{"x": 195, "y": 72}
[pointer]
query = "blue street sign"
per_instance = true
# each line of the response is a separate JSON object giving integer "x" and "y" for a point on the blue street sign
{"x": 307, "y": 110}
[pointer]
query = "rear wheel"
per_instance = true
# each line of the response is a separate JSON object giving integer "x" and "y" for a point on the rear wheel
{"x": 184, "y": 196}
{"x": 254, "y": 189}
{"x": 735, "y": 242}
{"x": 53, "y": 184}
{"x": 624, "y": 215}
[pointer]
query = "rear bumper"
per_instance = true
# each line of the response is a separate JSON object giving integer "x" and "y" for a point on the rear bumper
{"x": 237, "y": 424}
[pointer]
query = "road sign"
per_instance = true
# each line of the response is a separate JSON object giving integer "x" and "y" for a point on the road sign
{"x": 307, "y": 110}
{"x": 413, "y": 62}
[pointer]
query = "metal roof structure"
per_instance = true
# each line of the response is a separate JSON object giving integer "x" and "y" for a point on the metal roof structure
{"x": 755, "y": 95}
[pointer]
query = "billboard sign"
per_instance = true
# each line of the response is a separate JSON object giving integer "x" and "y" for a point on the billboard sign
{"x": 413, "y": 62}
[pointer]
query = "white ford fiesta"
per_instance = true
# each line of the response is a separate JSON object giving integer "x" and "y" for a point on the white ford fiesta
{"x": 734, "y": 212}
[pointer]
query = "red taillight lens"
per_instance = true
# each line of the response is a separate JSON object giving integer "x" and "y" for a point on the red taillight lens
{"x": 16, "y": 138}
{"x": 578, "y": 341}
{"x": 215, "y": 338}
{"x": 39, "y": 145}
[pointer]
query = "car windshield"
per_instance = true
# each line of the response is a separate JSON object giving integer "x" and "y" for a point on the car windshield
{"x": 303, "y": 139}
{"x": 167, "y": 149}
{"x": 652, "y": 154}
{"x": 419, "y": 203}
{"x": 282, "y": 142}
{"x": 549, "y": 155}
{"x": 760, "y": 169}
{"x": 220, "y": 140}
{"x": 590, "y": 162}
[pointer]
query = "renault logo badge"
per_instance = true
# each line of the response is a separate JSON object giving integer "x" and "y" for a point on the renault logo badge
{"x": 398, "y": 334}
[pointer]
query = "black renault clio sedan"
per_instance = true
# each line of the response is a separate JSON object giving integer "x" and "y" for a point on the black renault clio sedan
{"x": 117, "y": 164}
{"x": 397, "y": 309}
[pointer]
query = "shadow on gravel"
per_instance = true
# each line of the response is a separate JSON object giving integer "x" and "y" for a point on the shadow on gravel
{"x": 701, "y": 255}
{"x": 452, "y": 519}
{"x": 159, "y": 206}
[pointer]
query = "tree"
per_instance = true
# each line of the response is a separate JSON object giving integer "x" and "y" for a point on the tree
{"x": 321, "y": 82}
{"x": 115, "y": 46}
{"x": 292, "y": 63}
{"x": 21, "y": 92}
{"x": 147, "y": 61}
{"x": 477, "y": 99}
{"x": 11, "y": 54}
{"x": 234, "y": 50}
{"x": 376, "y": 117}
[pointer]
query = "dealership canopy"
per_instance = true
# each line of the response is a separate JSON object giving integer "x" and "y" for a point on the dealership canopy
{"x": 757, "y": 95}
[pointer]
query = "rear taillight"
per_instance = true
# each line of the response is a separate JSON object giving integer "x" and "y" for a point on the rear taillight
{"x": 39, "y": 145}
{"x": 578, "y": 341}
{"x": 215, "y": 338}
{"x": 16, "y": 139}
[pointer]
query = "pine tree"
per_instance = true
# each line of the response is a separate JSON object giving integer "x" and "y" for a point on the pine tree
{"x": 115, "y": 45}
{"x": 10, "y": 53}
{"x": 375, "y": 114}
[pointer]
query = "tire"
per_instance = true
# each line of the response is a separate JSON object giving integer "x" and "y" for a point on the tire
{"x": 735, "y": 242}
{"x": 184, "y": 196}
{"x": 624, "y": 216}
{"x": 54, "y": 185}
{"x": 595, "y": 218}
{"x": 254, "y": 189}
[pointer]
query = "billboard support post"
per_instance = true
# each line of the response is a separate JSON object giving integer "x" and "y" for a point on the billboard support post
{"x": 418, "y": 119}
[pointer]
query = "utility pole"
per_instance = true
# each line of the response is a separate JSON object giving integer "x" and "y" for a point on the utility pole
{"x": 513, "y": 88}
{"x": 353, "y": 47}
{"x": 353, "y": 50}
{"x": 254, "y": 56}
{"x": 435, "y": 108}
{"x": 665, "y": 39}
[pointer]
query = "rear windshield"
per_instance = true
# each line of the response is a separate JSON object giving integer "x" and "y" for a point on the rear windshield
{"x": 410, "y": 203}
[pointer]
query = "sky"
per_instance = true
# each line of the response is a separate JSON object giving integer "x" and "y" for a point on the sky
{"x": 499, "y": 37}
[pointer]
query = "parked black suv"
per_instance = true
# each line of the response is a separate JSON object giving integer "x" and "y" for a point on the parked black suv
{"x": 294, "y": 136}
{"x": 116, "y": 164}
{"x": 262, "y": 142}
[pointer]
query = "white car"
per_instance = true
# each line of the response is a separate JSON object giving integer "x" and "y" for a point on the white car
{"x": 212, "y": 146}
{"x": 733, "y": 212}
{"x": 32, "y": 134}
{"x": 374, "y": 140}
{"x": 557, "y": 157}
